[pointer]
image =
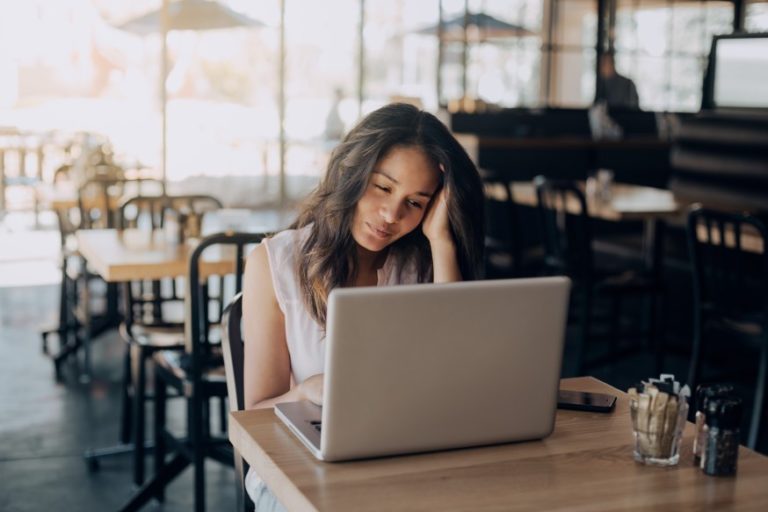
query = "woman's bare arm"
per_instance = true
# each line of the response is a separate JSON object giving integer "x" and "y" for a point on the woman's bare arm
{"x": 436, "y": 227}
{"x": 267, "y": 363}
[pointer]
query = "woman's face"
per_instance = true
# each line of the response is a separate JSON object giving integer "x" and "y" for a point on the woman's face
{"x": 396, "y": 198}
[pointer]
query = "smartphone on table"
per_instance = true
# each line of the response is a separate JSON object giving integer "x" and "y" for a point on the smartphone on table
{"x": 585, "y": 401}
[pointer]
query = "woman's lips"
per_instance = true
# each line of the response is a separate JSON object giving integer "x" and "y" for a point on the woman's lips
{"x": 378, "y": 232}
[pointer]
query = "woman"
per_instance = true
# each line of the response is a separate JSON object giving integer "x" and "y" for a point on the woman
{"x": 401, "y": 202}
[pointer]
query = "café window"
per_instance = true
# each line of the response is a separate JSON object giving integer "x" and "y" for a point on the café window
{"x": 663, "y": 46}
{"x": 571, "y": 53}
{"x": 756, "y": 16}
{"x": 502, "y": 62}
{"x": 401, "y": 48}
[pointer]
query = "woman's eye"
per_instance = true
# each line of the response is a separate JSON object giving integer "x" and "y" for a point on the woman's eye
{"x": 414, "y": 204}
{"x": 381, "y": 187}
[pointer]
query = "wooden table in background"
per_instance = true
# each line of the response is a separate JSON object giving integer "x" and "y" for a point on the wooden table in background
{"x": 132, "y": 254}
{"x": 653, "y": 206}
{"x": 586, "y": 464}
{"x": 124, "y": 255}
{"x": 627, "y": 202}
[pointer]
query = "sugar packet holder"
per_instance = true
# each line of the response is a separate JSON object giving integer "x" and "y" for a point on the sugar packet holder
{"x": 658, "y": 409}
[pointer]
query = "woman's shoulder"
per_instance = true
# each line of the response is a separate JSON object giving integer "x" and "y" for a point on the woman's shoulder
{"x": 284, "y": 245}
{"x": 287, "y": 239}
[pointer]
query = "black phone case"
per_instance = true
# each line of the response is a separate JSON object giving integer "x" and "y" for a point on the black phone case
{"x": 573, "y": 406}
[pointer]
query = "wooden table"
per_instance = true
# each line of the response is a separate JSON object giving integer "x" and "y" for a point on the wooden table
{"x": 134, "y": 254}
{"x": 655, "y": 207}
{"x": 635, "y": 202}
{"x": 627, "y": 202}
{"x": 125, "y": 255}
{"x": 585, "y": 465}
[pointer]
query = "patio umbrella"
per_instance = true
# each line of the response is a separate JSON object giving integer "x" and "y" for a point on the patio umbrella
{"x": 184, "y": 15}
{"x": 190, "y": 15}
{"x": 480, "y": 27}
{"x": 470, "y": 28}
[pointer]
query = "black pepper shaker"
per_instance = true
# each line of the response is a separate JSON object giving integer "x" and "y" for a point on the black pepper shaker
{"x": 721, "y": 451}
{"x": 703, "y": 393}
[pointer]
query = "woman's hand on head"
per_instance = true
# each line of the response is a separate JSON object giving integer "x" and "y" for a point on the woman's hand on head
{"x": 436, "y": 226}
{"x": 312, "y": 389}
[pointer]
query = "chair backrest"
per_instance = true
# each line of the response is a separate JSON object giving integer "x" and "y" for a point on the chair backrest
{"x": 233, "y": 351}
{"x": 232, "y": 341}
{"x": 198, "y": 320}
{"x": 99, "y": 198}
{"x": 144, "y": 300}
{"x": 727, "y": 276}
{"x": 152, "y": 211}
{"x": 502, "y": 238}
{"x": 565, "y": 227}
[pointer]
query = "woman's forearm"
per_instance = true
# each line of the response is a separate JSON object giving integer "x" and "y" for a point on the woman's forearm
{"x": 293, "y": 395}
{"x": 445, "y": 264}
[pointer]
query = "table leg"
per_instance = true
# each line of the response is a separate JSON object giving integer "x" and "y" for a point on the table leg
{"x": 654, "y": 232}
{"x": 85, "y": 375}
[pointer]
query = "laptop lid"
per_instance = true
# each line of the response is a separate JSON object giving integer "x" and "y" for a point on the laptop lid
{"x": 416, "y": 368}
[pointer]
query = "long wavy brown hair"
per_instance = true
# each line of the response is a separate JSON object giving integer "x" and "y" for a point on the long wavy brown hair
{"x": 328, "y": 257}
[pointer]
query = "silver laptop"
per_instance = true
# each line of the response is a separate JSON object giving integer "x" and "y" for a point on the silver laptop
{"x": 416, "y": 368}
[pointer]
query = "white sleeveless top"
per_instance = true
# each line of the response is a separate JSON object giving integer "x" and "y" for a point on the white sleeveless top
{"x": 304, "y": 336}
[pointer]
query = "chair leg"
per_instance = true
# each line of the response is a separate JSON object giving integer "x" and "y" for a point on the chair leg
{"x": 85, "y": 375}
{"x": 693, "y": 369}
{"x": 656, "y": 330}
{"x": 63, "y": 316}
{"x": 239, "y": 482}
{"x": 615, "y": 329}
{"x": 759, "y": 406}
{"x": 586, "y": 318}
{"x": 127, "y": 412}
{"x": 222, "y": 415}
{"x": 159, "y": 430}
{"x": 197, "y": 440}
{"x": 139, "y": 400}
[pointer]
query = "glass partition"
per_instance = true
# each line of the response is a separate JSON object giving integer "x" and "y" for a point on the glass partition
{"x": 572, "y": 59}
{"x": 756, "y": 16}
{"x": 663, "y": 47}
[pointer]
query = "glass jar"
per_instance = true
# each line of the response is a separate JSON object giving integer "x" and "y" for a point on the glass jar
{"x": 703, "y": 393}
{"x": 721, "y": 448}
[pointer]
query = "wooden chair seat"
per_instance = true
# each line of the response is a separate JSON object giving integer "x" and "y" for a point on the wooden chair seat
{"x": 175, "y": 364}
{"x": 159, "y": 336}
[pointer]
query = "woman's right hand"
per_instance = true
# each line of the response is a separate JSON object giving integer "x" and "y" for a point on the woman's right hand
{"x": 312, "y": 389}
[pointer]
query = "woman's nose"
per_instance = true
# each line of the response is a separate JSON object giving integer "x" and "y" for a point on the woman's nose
{"x": 389, "y": 211}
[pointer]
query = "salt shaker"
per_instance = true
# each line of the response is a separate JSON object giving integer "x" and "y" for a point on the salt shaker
{"x": 721, "y": 449}
{"x": 703, "y": 393}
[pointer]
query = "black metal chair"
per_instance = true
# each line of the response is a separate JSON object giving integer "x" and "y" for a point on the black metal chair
{"x": 88, "y": 305}
{"x": 197, "y": 374}
{"x": 99, "y": 197}
{"x": 566, "y": 229}
{"x": 730, "y": 286}
{"x": 67, "y": 328}
{"x": 149, "y": 324}
{"x": 234, "y": 354}
{"x": 98, "y": 202}
{"x": 503, "y": 248}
